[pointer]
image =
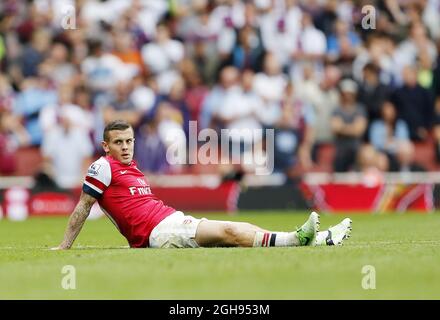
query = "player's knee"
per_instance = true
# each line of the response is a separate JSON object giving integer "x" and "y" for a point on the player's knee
{"x": 231, "y": 233}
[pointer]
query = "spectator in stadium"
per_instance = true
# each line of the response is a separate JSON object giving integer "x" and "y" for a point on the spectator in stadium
{"x": 145, "y": 221}
{"x": 310, "y": 48}
{"x": 344, "y": 59}
{"x": 390, "y": 61}
{"x": 342, "y": 34}
{"x": 348, "y": 123}
{"x": 144, "y": 93}
{"x": 66, "y": 168}
{"x": 431, "y": 18}
{"x": 103, "y": 71}
{"x": 414, "y": 105}
{"x": 35, "y": 52}
{"x": 162, "y": 55}
{"x": 125, "y": 49}
{"x": 279, "y": 29}
{"x": 80, "y": 117}
{"x": 389, "y": 134}
{"x": 323, "y": 97}
{"x": 169, "y": 119}
{"x": 425, "y": 71}
{"x": 395, "y": 11}
{"x": 12, "y": 136}
{"x": 240, "y": 115}
{"x": 406, "y": 159}
{"x": 82, "y": 98}
{"x": 57, "y": 66}
{"x": 150, "y": 149}
{"x": 175, "y": 104}
{"x": 294, "y": 133}
{"x": 371, "y": 164}
{"x": 207, "y": 65}
{"x": 326, "y": 18}
{"x": 196, "y": 91}
{"x": 201, "y": 32}
{"x": 229, "y": 78}
{"x": 230, "y": 17}
{"x": 36, "y": 93}
{"x": 372, "y": 93}
{"x": 271, "y": 82}
{"x": 381, "y": 51}
{"x": 248, "y": 51}
{"x": 7, "y": 94}
{"x": 78, "y": 46}
{"x": 120, "y": 106}
{"x": 417, "y": 42}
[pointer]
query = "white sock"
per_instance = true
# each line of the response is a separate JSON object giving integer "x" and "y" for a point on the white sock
{"x": 275, "y": 239}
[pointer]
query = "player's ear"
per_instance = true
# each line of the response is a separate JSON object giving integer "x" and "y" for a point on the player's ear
{"x": 104, "y": 145}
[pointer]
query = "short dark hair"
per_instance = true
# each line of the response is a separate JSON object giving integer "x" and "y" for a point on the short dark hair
{"x": 372, "y": 67}
{"x": 115, "y": 125}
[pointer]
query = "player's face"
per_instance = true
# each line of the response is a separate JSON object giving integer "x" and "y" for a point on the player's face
{"x": 120, "y": 145}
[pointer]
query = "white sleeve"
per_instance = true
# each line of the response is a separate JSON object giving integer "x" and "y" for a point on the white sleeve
{"x": 98, "y": 178}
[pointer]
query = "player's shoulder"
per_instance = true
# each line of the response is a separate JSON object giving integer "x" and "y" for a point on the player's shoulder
{"x": 98, "y": 178}
{"x": 99, "y": 167}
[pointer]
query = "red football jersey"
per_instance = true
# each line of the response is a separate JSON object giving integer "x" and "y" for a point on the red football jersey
{"x": 125, "y": 196}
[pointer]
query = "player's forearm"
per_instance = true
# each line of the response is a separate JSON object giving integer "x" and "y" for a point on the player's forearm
{"x": 75, "y": 224}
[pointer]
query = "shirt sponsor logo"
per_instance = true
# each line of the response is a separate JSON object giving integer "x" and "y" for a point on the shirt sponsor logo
{"x": 123, "y": 171}
{"x": 139, "y": 190}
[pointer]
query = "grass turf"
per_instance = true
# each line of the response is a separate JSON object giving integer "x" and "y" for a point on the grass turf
{"x": 404, "y": 250}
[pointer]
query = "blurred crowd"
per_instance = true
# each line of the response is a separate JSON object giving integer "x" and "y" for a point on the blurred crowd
{"x": 309, "y": 69}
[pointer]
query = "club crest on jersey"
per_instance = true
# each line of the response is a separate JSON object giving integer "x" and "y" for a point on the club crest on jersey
{"x": 94, "y": 169}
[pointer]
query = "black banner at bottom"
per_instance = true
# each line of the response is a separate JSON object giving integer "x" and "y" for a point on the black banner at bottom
{"x": 225, "y": 309}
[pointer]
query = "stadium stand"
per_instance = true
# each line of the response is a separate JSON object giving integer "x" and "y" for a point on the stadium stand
{"x": 295, "y": 66}
{"x": 29, "y": 161}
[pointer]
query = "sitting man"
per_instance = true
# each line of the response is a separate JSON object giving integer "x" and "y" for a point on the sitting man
{"x": 145, "y": 221}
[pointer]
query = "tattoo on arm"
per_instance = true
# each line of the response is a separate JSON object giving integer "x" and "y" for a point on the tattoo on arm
{"x": 77, "y": 219}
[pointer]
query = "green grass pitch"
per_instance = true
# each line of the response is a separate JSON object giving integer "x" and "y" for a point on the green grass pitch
{"x": 403, "y": 249}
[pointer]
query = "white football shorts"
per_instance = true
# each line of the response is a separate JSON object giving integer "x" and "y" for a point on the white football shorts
{"x": 175, "y": 231}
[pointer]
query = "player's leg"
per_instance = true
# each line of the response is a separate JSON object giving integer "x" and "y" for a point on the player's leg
{"x": 213, "y": 233}
{"x": 240, "y": 234}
